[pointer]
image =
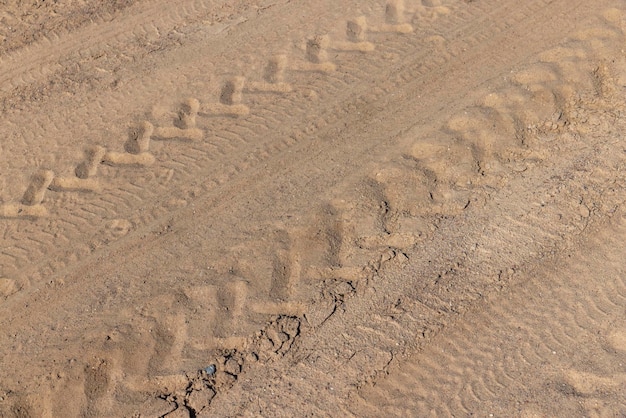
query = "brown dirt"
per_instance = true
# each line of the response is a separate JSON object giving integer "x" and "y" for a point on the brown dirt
{"x": 288, "y": 208}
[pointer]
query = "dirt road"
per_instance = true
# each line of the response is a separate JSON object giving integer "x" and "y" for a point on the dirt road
{"x": 330, "y": 208}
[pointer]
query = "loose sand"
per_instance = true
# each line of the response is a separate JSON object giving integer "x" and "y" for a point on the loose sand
{"x": 312, "y": 208}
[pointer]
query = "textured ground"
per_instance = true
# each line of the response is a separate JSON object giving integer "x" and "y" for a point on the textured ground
{"x": 329, "y": 208}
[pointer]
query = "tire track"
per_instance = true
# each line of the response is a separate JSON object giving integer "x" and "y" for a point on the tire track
{"x": 335, "y": 256}
{"x": 131, "y": 160}
{"x": 310, "y": 374}
{"x": 32, "y": 63}
{"x": 459, "y": 372}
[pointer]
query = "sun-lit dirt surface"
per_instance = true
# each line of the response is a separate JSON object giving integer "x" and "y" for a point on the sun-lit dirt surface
{"x": 328, "y": 208}
{"x": 23, "y": 22}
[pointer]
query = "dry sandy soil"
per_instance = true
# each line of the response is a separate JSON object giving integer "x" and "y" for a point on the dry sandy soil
{"x": 312, "y": 208}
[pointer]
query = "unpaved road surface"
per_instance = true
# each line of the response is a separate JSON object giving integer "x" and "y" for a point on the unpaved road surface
{"x": 328, "y": 208}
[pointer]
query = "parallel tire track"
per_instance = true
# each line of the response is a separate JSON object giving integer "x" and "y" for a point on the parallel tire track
{"x": 328, "y": 117}
{"x": 340, "y": 114}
